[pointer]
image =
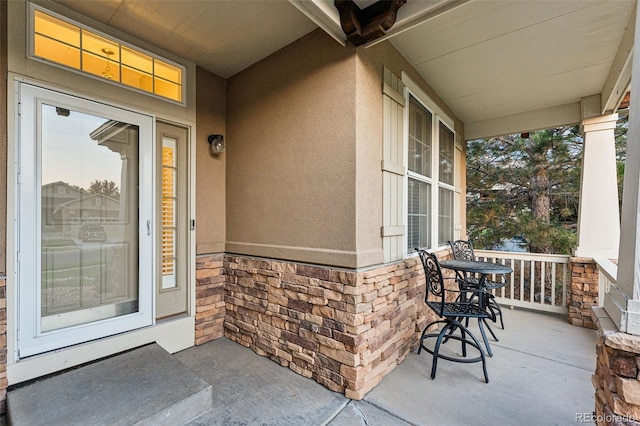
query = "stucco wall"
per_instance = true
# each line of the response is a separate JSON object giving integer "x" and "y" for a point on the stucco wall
{"x": 210, "y": 169}
{"x": 291, "y": 154}
{"x": 304, "y": 179}
{"x": 368, "y": 184}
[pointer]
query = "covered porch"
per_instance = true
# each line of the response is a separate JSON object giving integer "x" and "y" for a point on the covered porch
{"x": 540, "y": 374}
{"x": 327, "y": 276}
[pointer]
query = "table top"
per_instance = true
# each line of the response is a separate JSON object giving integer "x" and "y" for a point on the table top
{"x": 476, "y": 266}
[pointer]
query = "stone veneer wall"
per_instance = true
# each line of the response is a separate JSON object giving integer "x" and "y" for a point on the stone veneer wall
{"x": 583, "y": 294}
{"x": 344, "y": 329}
{"x": 210, "y": 304}
{"x": 616, "y": 380}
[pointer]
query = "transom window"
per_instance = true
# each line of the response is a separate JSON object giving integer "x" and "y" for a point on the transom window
{"x": 430, "y": 183}
{"x": 64, "y": 42}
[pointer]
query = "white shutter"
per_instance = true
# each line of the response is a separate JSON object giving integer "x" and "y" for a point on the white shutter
{"x": 393, "y": 170}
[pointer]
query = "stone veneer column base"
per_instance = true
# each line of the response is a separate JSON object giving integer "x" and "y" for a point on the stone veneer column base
{"x": 616, "y": 380}
{"x": 210, "y": 304}
{"x": 583, "y": 294}
{"x": 344, "y": 329}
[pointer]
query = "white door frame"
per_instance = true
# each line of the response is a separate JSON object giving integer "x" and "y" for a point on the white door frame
{"x": 31, "y": 340}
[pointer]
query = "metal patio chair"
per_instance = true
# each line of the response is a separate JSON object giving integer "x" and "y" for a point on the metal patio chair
{"x": 452, "y": 310}
{"x": 463, "y": 250}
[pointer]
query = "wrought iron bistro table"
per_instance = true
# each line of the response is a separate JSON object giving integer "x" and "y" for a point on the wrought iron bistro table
{"x": 484, "y": 269}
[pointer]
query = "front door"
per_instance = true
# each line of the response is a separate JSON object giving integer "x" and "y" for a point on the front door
{"x": 85, "y": 209}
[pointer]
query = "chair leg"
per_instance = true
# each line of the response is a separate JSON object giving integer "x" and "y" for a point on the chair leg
{"x": 424, "y": 331}
{"x": 464, "y": 331}
{"x": 436, "y": 348}
{"x": 497, "y": 306}
{"x": 490, "y": 330}
{"x": 484, "y": 360}
{"x": 447, "y": 332}
{"x": 495, "y": 309}
{"x": 484, "y": 337}
{"x": 464, "y": 342}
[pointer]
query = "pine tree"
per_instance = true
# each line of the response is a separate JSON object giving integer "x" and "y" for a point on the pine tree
{"x": 525, "y": 186}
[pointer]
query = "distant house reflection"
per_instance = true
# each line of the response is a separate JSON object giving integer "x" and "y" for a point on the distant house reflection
{"x": 66, "y": 208}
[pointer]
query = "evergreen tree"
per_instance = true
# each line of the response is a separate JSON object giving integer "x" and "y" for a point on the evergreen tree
{"x": 525, "y": 186}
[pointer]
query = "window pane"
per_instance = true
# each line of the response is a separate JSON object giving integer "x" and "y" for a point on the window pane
{"x": 137, "y": 60}
{"x": 100, "y": 46}
{"x": 446, "y": 155}
{"x": 100, "y": 66}
{"x": 55, "y": 51}
{"x": 56, "y": 29}
{"x": 168, "y": 273}
{"x": 169, "y": 209}
{"x": 418, "y": 222}
{"x": 419, "y": 139}
{"x": 168, "y": 90}
{"x": 168, "y": 72}
{"x": 445, "y": 216}
{"x": 134, "y": 78}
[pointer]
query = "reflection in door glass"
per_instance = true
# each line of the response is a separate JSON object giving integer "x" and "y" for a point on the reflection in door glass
{"x": 89, "y": 224}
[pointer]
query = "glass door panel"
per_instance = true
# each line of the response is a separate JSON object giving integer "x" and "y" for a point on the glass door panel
{"x": 89, "y": 196}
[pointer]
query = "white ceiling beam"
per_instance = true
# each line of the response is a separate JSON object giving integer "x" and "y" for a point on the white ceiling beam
{"x": 560, "y": 115}
{"x": 619, "y": 78}
{"x": 324, "y": 15}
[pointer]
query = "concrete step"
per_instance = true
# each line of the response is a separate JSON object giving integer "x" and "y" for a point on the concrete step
{"x": 142, "y": 386}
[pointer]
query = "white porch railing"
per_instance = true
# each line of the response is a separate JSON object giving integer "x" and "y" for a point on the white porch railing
{"x": 539, "y": 281}
{"x": 608, "y": 274}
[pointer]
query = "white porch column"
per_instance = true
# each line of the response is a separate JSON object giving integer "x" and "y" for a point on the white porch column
{"x": 622, "y": 302}
{"x": 598, "y": 217}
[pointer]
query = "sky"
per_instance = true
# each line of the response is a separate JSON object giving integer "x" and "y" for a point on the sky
{"x": 70, "y": 155}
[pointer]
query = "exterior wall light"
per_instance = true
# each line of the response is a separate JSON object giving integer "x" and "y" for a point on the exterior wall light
{"x": 217, "y": 144}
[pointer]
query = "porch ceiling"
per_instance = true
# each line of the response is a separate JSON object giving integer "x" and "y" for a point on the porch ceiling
{"x": 502, "y": 66}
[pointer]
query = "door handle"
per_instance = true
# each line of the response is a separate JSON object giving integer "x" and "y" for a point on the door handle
{"x": 148, "y": 226}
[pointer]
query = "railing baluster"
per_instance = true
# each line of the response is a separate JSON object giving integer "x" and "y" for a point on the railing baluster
{"x": 543, "y": 282}
{"x": 522, "y": 261}
{"x": 522, "y": 280}
{"x": 512, "y": 277}
{"x": 553, "y": 284}
{"x": 532, "y": 281}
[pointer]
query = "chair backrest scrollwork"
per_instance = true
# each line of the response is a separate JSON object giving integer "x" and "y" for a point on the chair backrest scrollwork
{"x": 462, "y": 250}
{"x": 433, "y": 275}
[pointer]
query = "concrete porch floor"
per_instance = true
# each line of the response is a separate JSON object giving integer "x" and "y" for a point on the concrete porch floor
{"x": 540, "y": 374}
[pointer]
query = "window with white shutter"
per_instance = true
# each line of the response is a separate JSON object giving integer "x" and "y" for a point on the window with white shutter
{"x": 418, "y": 170}
{"x": 431, "y": 173}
